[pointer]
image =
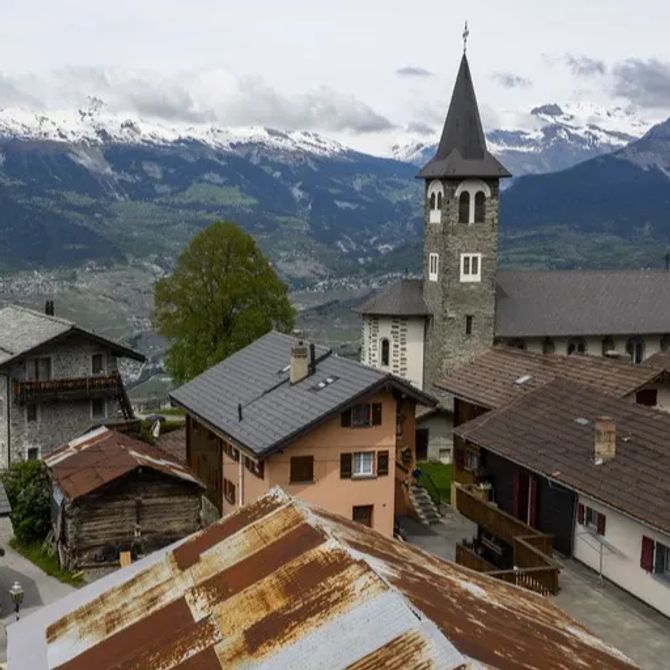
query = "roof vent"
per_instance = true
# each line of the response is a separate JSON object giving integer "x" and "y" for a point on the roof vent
{"x": 524, "y": 379}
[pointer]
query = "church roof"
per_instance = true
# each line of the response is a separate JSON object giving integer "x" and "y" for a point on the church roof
{"x": 462, "y": 150}
{"x": 533, "y": 303}
{"x": 404, "y": 298}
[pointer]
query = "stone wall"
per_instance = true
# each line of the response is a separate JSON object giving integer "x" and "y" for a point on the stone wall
{"x": 451, "y": 300}
{"x": 58, "y": 421}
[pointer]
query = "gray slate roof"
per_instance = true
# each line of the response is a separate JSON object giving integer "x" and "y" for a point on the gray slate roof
{"x": 273, "y": 410}
{"x": 582, "y": 302}
{"x": 22, "y": 330}
{"x": 404, "y": 298}
{"x": 462, "y": 149}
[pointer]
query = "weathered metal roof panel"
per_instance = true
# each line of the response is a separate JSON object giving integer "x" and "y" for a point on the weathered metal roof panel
{"x": 280, "y": 584}
{"x": 102, "y": 456}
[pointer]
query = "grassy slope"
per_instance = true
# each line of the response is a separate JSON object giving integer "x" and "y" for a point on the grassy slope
{"x": 49, "y": 564}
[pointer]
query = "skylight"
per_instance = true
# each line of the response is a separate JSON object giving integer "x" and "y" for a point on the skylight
{"x": 582, "y": 421}
{"x": 324, "y": 383}
{"x": 524, "y": 379}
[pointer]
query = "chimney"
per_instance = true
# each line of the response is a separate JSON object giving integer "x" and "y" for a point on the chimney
{"x": 605, "y": 439}
{"x": 299, "y": 363}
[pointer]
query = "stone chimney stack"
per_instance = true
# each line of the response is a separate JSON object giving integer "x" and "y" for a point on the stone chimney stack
{"x": 605, "y": 439}
{"x": 299, "y": 363}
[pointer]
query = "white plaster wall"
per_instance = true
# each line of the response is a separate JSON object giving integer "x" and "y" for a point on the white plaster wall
{"x": 622, "y": 544}
{"x": 406, "y": 337}
{"x": 440, "y": 436}
{"x": 652, "y": 344}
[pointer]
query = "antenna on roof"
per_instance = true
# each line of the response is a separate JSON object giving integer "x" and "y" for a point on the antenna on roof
{"x": 466, "y": 34}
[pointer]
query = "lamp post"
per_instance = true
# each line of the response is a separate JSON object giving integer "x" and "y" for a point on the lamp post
{"x": 17, "y": 593}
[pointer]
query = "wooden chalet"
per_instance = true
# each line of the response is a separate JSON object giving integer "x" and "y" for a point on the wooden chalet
{"x": 113, "y": 494}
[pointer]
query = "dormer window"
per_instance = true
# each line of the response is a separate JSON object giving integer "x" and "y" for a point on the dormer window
{"x": 435, "y": 198}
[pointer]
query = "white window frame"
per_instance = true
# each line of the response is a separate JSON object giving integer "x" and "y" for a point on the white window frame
{"x": 435, "y": 213}
{"x": 363, "y": 464}
{"x": 470, "y": 276}
{"x": 39, "y": 453}
{"x": 472, "y": 186}
{"x": 590, "y": 519}
{"x": 104, "y": 410}
{"x": 433, "y": 269}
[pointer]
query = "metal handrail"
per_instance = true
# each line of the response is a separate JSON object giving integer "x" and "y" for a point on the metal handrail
{"x": 435, "y": 493}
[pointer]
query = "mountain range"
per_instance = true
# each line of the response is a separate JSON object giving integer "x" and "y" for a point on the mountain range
{"x": 87, "y": 186}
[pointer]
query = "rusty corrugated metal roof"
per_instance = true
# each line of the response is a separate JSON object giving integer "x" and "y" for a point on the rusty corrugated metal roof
{"x": 280, "y": 584}
{"x": 103, "y": 455}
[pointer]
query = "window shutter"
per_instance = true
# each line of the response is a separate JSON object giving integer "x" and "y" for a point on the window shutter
{"x": 533, "y": 503}
{"x": 345, "y": 466}
{"x": 601, "y": 524}
{"x": 376, "y": 414}
{"x": 516, "y": 489}
{"x": 661, "y": 551}
{"x": 647, "y": 554}
{"x": 382, "y": 463}
{"x": 580, "y": 514}
{"x": 346, "y": 418}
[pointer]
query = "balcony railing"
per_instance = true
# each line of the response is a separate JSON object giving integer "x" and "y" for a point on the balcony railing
{"x": 534, "y": 567}
{"x": 76, "y": 387}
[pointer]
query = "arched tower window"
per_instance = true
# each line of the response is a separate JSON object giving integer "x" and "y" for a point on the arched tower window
{"x": 576, "y": 345}
{"x": 635, "y": 349}
{"x": 435, "y": 196}
{"x": 480, "y": 206}
{"x": 548, "y": 346}
{"x": 385, "y": 352}
{"x": 665, "y": 343}
{"x": 464, "y": 207}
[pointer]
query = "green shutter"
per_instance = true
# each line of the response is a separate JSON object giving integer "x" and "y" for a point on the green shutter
{"x": 345, "y": 466}
{"x": 382, "y": 463}
{"x": 376, "y": 414}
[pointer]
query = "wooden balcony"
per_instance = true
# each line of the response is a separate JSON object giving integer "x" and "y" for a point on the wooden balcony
{"x": 534, "y": 567}
{"x": 77, "y": 387}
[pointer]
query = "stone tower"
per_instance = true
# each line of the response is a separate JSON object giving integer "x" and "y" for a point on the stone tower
{"x": 460, "y": 237}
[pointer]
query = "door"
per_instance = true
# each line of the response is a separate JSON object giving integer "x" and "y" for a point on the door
{"x": 422, "y": 444}
{"x": 363, "y": 514}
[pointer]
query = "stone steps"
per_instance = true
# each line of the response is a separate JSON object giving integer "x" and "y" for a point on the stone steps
{"x": 424, "y": 506}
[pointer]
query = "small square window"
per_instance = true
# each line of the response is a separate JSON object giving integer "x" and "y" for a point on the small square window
{"x": 360, "y": 415}
{"x": 33, "y": 453}
{"x": 363, "y": 514}
{"x": 471, "y": 267}
{"x": 433, "y": 266}
{"x": 364, "y": 464}
{"x": 301, "y": 469}
{"x": 97, "y": 364}
{"x": 31, "y": 412}
{"x": 229, "y": 491}
{"x": 98, "y": 408}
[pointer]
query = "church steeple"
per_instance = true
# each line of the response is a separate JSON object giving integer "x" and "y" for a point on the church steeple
{"x": 462, "y": 150}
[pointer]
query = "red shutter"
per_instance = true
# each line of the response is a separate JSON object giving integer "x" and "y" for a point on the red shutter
{"x": 647, "y": 554}
{"x": 532, "y": 516}
{"x": 516, "y": 489}
{"x": 601, "y": 524}
{"x": 580, "y": 514}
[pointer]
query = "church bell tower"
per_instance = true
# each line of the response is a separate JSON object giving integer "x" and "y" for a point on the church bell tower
{"x": 461, "y": 201}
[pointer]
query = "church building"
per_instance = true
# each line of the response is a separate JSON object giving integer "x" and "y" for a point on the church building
{"x": 422, "y": 329}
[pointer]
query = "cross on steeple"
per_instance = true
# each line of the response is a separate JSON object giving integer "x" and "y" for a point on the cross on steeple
{"x": 466, "y": 34}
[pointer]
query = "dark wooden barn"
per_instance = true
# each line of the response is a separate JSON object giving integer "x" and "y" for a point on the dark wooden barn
{"x": 113, "y": 494}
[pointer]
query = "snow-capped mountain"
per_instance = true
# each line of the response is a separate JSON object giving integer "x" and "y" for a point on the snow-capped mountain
{"x": 549, "y": 138}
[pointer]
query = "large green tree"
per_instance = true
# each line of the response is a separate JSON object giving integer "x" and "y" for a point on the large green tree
{"x": 222, "y": 295}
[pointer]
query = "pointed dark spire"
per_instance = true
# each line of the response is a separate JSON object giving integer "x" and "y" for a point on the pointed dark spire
{"x": 462, "y": 150}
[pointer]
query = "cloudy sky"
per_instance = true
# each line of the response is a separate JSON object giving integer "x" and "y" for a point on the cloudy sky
{"x": 364, "y": 71}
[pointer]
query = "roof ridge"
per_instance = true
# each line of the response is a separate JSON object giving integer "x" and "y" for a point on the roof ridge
{"x": 34, "y": 312}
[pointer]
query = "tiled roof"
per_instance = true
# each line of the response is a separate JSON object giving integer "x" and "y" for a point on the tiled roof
{"x": 551, "y": 431}
{"x": 102, "y": 456}
{"x": 403, "y": 298}
{"x": 22, "y": 330}
{"x": 282, "y": 584}
{"x": 661, "y": 359}
{"x": 174, "y": 443}
{"x": 273, "y": 410}
{"x": 555, "y": 303}
{"x": 502, "y": 374}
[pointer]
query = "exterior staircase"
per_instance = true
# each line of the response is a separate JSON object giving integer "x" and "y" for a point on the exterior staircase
{"x": 424, "y": 506}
